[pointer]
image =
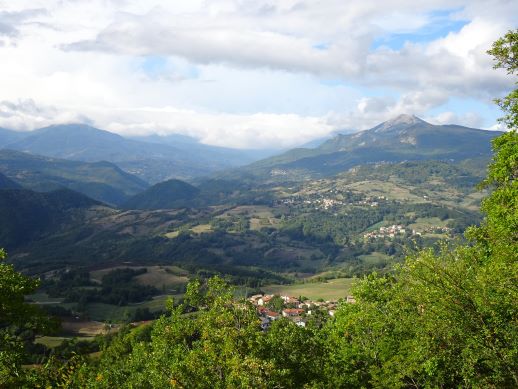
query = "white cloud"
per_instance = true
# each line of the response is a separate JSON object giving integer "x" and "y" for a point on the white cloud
{"x": 24, "y": 115}
{"x": 244, "y": 72}
{"x": 259, "y": 130}
{"x": 469, "y": 119}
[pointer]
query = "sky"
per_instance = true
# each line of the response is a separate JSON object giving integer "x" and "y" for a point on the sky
{"x": 250, "y": 73}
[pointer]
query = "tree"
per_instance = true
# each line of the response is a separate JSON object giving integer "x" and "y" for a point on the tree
{"x": 16, "y": 318}
{"x": 445, "y": 319}
{"x": 276, "y": 303}
{"x": 212, "y": 346}
{"x": 505, "y": 53}
{"x": 502, "y": 206}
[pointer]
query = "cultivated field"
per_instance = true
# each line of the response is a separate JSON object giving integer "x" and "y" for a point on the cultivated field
{"x": 167, "y": 277}
{"x": 328, "y": 290}
{"x": 80, "y": 330}
{"x": 375, "y": 259}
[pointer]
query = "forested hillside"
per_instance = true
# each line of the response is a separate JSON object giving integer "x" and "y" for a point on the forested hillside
{"x": 448, "y": 320}
{"x": 26, "y": 215}
{"x": 102, "y": 181}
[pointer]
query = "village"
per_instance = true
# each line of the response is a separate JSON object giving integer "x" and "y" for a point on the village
{"x": 394, "y": 230}
{"x": 388, "y": 232}
{"x": 332, "y": 200}
{"x": 273, "y": 307}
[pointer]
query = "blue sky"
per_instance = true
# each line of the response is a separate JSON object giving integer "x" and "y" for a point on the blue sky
{"x": 440, "y": 24}
{"x": 249, "y": 73}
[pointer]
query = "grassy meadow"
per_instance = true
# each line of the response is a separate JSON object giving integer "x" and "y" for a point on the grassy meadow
{"x": 327, "y": 290}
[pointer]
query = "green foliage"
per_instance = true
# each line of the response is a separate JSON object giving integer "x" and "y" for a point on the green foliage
{"x": 218, "y": 345}
{"x": 18, "y": 321}
{"x": 505, "y": 54}
{"x": 501, "y": 207}
{"x": 276, "y": 303}
{"x": 444, "y": 319}
{"x": 167, "y": 194}
{"x": 212, "y": 347}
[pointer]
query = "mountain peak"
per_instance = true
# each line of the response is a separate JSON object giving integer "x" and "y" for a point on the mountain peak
{"x": 77, "y": 129}
{"x": 399, "y": 122}
{"x": 405, "y": 119}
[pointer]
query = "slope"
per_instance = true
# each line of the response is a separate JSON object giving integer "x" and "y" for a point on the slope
{"x": 153, "y": 158}
{"x": 403, "y": 138}
{"x": 165, "y": 195}
{"x": 6, "y": 183}
{"x": 102, "y": 181}
{"x": 26, "y": 215}
{"x": 9, "y": 136}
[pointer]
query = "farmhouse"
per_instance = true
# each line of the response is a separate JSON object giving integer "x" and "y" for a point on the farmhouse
{"x": 299, "y": 321}
{"x": 263, "y": 300}
{"x": 292, "y": 312}
{"x": 290, "y": 300}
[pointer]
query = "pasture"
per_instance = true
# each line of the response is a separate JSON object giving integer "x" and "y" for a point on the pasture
{"x": 165, "y": 277}
{"x": 327, "y": 290}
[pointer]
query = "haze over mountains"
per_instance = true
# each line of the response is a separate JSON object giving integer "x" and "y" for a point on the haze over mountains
{"x": 269, "y": 214}
{"x": 403, "y": 138}
{"x": 117, "y": 171}
{"x": 153, "y": 159}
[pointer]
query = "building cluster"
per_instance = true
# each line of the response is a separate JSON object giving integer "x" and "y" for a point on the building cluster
{"x": 292, "y": 308}
{"x": 278, "y": 172}
{"x": 438, "y": 230}
{"x": 371, "y": 201}
{"x": 328, "y": 200}
{"x": 387, "y": 232}
{"x": 318, "y": 202}
{"x": 394, "y": 230}
{"x": 326, "y": 203}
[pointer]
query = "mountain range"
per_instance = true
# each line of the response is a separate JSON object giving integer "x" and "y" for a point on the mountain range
{"x": 270, "y": 213}
{"x": 403, "y": 138}
{"x": 153, "y": 158}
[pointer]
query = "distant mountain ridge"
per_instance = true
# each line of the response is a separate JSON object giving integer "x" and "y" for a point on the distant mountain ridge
{"x": 403, "y": 138}
{"x": 81, "y": 142}
{"x": 153, "y": 158}
{"x": 9, "y": 136}
{"x": 408, "y": 134}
